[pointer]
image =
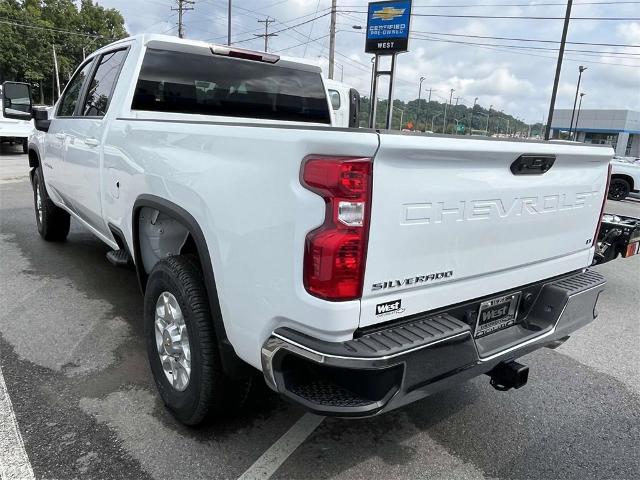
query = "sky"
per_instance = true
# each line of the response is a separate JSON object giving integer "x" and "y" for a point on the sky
{"x": 517, "y": 81}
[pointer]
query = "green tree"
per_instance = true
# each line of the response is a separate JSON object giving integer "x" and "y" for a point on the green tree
{"x": 29, "y": 30}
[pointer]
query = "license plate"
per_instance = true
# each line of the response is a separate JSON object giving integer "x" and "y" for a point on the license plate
{"x": 496, "y": 314}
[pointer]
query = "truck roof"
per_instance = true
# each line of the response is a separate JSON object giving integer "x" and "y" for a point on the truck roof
{"x": 172, "y": 42}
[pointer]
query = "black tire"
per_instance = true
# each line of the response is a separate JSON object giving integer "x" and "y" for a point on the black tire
{"x": 209, "y": 392}
{"x": 53, "y": 222}
{"x": 619, "y": 189}
{"x": 25, "y": 146}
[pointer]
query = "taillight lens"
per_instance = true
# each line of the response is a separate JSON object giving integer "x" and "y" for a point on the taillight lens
{"x": 335, "y": 253}
{"x": 604, "y": 201}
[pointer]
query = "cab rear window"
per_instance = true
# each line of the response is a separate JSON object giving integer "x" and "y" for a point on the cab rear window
{"x": 212, "y": 85}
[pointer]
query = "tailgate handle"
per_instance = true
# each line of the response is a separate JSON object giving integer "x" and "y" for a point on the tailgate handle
{"x": 532, "y": 164}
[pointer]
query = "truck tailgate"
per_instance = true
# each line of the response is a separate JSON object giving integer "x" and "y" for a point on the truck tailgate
{"x": 451, "y": 222}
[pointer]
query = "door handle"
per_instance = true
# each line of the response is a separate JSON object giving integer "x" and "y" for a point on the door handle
{"x": 60, "y": 136}
{"x": 92, "y": 142}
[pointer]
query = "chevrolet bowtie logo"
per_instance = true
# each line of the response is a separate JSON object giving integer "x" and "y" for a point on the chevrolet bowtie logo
{"x": 388, "y": 13}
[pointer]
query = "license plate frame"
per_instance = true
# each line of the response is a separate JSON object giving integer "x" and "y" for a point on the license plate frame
{"x": 493, "y": 317}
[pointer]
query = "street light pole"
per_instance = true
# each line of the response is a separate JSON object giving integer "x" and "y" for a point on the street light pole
{"x": 580, "y": 69}
{"x": 578, "y": 117}
{"x": 556, "y": 80}
{"x": 486, "y": 129}
{"x": 444, "y": 119}
{"x": 419, "y": 96}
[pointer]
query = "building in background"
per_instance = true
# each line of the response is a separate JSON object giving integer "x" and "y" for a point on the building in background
{"x": 618, "y": 128}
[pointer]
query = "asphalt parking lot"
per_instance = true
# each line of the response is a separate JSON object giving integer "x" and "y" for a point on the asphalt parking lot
{"x": 73, "y": 360}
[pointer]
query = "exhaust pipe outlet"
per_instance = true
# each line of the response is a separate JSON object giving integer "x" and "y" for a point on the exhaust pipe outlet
{"x": 508, "y": 375}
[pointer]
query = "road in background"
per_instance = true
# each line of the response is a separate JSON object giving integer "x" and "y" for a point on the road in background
{"x": 73, "y": 359}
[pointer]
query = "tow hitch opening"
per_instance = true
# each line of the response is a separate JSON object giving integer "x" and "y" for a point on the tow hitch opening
{"x": 506, "y": 376}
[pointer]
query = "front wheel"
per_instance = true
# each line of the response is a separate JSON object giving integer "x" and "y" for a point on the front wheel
{"x": 619, "y": 188}
{"x": 25, "y": 146}
{"x": 181, "y": 344}
{"x": 52, "y": 221}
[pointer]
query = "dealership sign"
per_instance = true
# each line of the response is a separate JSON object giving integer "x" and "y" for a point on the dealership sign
{"x": 388, "y": 27}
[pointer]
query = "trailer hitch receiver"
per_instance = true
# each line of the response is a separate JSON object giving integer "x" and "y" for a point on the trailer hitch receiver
{"x": 508, "y": 375}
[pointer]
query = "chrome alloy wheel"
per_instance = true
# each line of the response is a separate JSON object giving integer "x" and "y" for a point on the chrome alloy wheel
{"x": 172, "y": 340}
{"x": 39, "y": 204}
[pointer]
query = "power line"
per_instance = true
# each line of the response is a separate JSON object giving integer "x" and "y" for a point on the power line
{"x": 288, "y": 28}
{"x": 535, "y": 40}
{"x": 541, "y": 4}
{"x": 283, "y": 22}
{"x": 304, "y": 54}
{"x": 519, "y": 52}
{"x": 57, "y": 30}
{"x": 606, "y": 53}
{"x": 510, "y": 17}
{"x": 528, "y": 47}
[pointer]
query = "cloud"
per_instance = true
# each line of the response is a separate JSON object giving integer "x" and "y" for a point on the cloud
{"x": 518, "y": 81}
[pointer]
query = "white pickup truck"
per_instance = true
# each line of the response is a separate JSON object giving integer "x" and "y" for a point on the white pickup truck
{"x": 12, "y": 130}
{"x": 358, "y": 270}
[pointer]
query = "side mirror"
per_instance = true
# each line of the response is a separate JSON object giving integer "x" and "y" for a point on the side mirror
{"x": 41, "y": 117}
{"x": 16, "y": 100}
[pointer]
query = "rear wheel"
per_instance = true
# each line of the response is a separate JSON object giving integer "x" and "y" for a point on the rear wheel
{"x": 181, "y": 344}
{"x": 52, "y": 221}
{"x": 619, "y": 188}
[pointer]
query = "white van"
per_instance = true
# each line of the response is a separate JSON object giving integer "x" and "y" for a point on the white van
{"x": 345, "y": 104}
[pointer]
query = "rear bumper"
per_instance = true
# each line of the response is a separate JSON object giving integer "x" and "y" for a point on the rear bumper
{"x": 416, "y": 357}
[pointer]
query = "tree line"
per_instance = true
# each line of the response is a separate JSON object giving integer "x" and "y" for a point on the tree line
{"x": 430, "y": 117}
{"x": 31, "y": 29}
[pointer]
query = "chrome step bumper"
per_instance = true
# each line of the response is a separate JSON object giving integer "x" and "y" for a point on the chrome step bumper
{"x": 415, "y": 357}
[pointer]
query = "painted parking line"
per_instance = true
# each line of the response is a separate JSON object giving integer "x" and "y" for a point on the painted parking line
{"x": 14, "y": 463}
{"x": 282, "y": 449}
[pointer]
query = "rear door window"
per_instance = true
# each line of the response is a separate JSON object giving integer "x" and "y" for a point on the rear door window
{"x": 102, "y": 83}
{"x": 213, "y": 85}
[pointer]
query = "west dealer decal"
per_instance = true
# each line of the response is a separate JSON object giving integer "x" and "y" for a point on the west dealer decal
{"x": 407, "y": 282}
{"x": 394, "y": 306}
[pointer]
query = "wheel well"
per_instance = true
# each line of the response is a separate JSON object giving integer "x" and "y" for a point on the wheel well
{"x": 161, "y": 235}
{"x": 627, "y": 178}
{"x": 181, "y": 235}
{"x": 34, "y": 160}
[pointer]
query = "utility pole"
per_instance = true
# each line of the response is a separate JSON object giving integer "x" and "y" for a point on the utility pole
{"x": 183, "y": 6}
{"x": 422, "y": 79}
{"x": 471, "y": 119}
{"x": 581, "y": 69}
{"x": 229, "y": 24}
{"x": 332, "y": 38}
{"x": 444, "y": 119}
{"x": 266, "y": 33}
{"x": 426, "y": 113}
{"x": 554, "y": 92}
{"x": 486, "y": 129}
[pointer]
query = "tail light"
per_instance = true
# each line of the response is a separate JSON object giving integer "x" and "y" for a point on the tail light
{"x": 335, "y": 253}
{"x": 604, "y": 200}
